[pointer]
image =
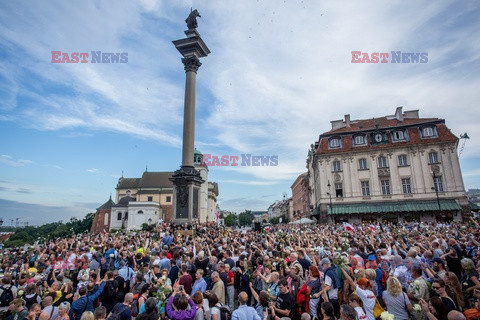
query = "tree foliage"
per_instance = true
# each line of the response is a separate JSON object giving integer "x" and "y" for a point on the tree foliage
{"x": 229, "y": 220}
{"x": 276, "y": 220}
{"x": 245, "y": 218}
{"x": 30, "y": 234}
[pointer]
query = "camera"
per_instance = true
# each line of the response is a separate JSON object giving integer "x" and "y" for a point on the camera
{"x": 180, "y": 287}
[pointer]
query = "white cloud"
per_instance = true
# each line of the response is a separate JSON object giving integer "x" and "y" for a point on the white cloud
{"x": 10, "y": 161}
{"x": 93, "y": 170}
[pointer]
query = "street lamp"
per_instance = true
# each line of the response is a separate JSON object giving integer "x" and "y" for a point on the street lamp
{"x": 435, "y": 187}
{"x": 330, "y": 194}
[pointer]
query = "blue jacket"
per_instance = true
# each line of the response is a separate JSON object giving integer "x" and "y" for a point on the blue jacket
{"x": 85, "y": 303}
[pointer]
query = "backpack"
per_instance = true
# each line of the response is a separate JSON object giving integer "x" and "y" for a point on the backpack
{"x": 225, "y": 312}
{"x": 384, "y": 279}
{"x": 302, "y": 300}
{"x": 116, "y": 315}
{"x": 336, "y": 283}
{"x": 135, "y": 306}
{"x": 30, "y": 301}
{"x": 110, "y": 291}
{"x": 6, "y": 297}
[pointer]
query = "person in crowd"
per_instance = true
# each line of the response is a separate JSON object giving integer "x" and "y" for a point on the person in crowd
{"x": 440, "y": 289}
{"x": 326, "y": 311}
{"x": 200, "y": 313}
{"x": 454, "y": 289}
{"x": 63, "y": 310}
{"x": 364, "y": 292}
{"x": 262, "y": 299}
{"x": 244, "y": 312}
{"x": 123, "y": 310}
{"x": 348, "y": 313}
{"x": 100, "y": 313}
{"x": 396, "y": 300}
{"x": 418, "y": 288}
{"x": 434, "y": 309}
{"x": 314, "y": 286}
{"x": 150, "y": 310}
{"x": 218, "y": 287}
{"x": 284, "y": 304}
{"x": 357, "y": 303}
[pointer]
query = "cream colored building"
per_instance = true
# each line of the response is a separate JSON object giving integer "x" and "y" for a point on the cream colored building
{"x": 393, "y": 168}
{"x": 150, "y": 198}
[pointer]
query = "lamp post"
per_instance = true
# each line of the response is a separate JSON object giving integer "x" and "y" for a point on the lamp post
{"x": 330, "y": 194}
{"x": 435, "y": 187}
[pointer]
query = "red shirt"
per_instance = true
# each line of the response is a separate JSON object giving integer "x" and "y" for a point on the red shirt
{"x": 186, "y": 280}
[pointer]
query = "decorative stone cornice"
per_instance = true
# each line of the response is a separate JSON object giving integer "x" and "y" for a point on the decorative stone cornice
{"x": 191, "y": 63}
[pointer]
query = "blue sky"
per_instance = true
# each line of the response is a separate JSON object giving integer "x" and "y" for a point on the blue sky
{"x": 279, "y": 72}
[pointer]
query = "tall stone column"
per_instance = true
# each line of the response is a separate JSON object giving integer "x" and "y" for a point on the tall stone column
{"x": 187, "y": 180}
{"x": 191, "y": 63}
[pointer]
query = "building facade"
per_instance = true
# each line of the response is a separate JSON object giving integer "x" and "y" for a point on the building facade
{"x": 300, "y": 197}
{"x": 101, "y": 221}
{"x": 149, "y": 199}
{"x": 393, "y": 168}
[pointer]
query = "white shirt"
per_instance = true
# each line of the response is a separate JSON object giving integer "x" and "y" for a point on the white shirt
{"x": 360, "y": 314}
{"x": 368, "y": 299}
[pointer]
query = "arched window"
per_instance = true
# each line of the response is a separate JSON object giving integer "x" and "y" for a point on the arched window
{"x": 126, "y": 215}
{"x": 105, "y": 219}
{"x": 140, "y": 212}
{"x": 119, "y": 216}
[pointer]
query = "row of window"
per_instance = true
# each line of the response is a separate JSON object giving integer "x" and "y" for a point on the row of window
{"x": 169, "y": 199}
{"x": 383, "y": 163}
{"x": 396, "y": 135}
{"x": 385, "y": 186}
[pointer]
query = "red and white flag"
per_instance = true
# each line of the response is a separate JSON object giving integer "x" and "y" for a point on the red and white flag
{"x": 348, "y": 227}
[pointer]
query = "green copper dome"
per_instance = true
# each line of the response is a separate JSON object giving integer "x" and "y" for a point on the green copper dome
{"x": 197, "y": 156}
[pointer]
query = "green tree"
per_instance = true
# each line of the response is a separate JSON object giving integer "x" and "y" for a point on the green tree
{"x": 229, "y": 220}
{"x": 245, "y": 218}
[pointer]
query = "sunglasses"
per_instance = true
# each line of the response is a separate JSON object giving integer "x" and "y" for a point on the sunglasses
{"x": 436, "y": 288}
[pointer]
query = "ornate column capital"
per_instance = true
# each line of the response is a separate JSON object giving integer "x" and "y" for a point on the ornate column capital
{"x": 191, "y": 63}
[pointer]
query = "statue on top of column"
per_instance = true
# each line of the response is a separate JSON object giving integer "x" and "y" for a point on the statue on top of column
{"x": 192, "y": 19}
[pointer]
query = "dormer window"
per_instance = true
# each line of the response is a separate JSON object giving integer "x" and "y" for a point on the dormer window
{"x": 334, "y": 143}
{"x": 399, "y": 135}
{"x": 429, "y": 132}
{"x": 359, "y": 140}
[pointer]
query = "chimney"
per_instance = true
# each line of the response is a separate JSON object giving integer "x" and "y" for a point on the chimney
{"x": 399, "y": 114}
{"x": 347, "y": 120}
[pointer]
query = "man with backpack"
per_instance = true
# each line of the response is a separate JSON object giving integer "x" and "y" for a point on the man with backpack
{"x": 332, "y": 283}
{"x": 110, "y": 292}
{"x": 244, "y": 312}
{"x": 7, "y": 293}
{"x": 122, "y": 311}
{"x": 85, "y": 302}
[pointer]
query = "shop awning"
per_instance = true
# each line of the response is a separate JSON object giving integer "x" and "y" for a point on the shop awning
{"x": 473, "y": 206}
{"x": 396, "y": 207}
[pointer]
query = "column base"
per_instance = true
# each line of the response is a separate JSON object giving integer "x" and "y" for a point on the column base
{"x": 186, "y": 194}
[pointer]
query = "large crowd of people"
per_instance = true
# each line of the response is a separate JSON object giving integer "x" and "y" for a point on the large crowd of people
{"x": 206, "y": 271}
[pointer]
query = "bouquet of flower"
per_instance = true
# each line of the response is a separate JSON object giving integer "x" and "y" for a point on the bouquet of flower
{"x": 387, "y": 316}
{"x": 161, "y": 294}
{"x": 417, "y": 312}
